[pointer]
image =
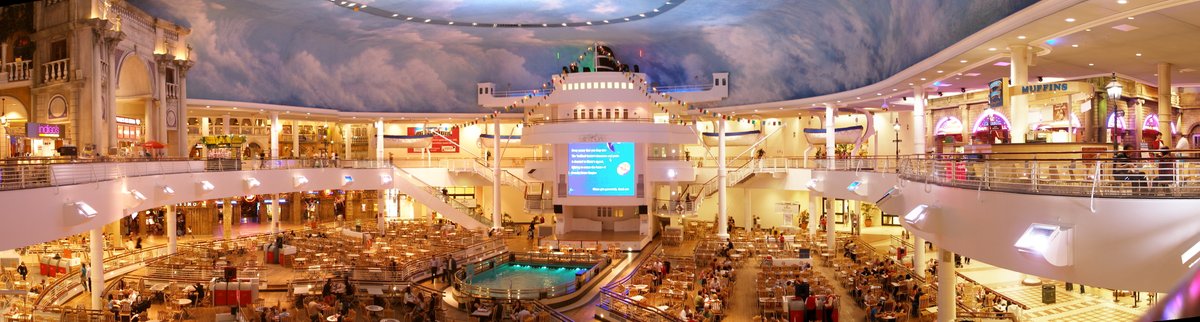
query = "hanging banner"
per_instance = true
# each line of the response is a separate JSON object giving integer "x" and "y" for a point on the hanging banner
{"x": 446, "y": 142}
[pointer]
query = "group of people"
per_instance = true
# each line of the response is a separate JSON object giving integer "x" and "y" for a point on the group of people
{"x": 442, "y": 268}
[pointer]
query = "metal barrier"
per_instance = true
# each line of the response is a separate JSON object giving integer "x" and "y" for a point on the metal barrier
{"x": 599, "y": 263}
{"x": 1104, "y": 178}
{"x": 50, "y": 172}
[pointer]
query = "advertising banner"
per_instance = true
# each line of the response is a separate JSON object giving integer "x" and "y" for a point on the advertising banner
{"x": 446, "y": 142}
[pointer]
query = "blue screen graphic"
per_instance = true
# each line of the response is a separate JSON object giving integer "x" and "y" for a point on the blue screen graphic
{"x": 601, "y": 169}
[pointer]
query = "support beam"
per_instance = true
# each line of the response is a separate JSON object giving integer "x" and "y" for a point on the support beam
{"x": 96, "y": 268}
{"x": 276, "y": 212}
{"x": 814, "y": 213}
{"x": 171, "y": 221}
{"x": 276, "y": 129}
{"x": 830, "y": 225}
{"x": 919, "y": 255}
{"x": 722, "y": 183}
{"x": 497, "y": 215}
{"x": 1165, "y": 115}
{"x": 227, "y": 219}
{"x": 1019, "y": 106}
{"x": 946, "y": 297}
{"x": 379, "y": 155}
{"x": 830, "y": 114}
{"x": 918, "y": 122}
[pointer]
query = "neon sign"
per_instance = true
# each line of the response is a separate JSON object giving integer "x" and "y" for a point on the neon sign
{"x": 43, "y": 130}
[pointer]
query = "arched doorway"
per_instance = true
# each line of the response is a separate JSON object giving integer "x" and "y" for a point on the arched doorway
{"x": 13, "y": 116}
{"x": 991, "y": 127}
{"x": 133, "y": 108}
{"x": 948, "y": 133}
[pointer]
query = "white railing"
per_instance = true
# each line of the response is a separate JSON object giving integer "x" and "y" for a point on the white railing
{"x": 435, "y": 191}
{"x": 172, "y": 90}
{"x": 58, "y": 70}
{"x": 1143, "y": 179}
{"x": 36, "y": 173}
{"x": 18, "y": 70}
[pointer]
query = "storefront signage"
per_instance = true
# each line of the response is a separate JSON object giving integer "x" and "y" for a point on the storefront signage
{"x": 1052, "y": 87}
{"x": 996, "y": 95}
{"x": 223, "y": 140}
{"x": 40, "y": 130}
{"x": 445, "y": 139}
{"x": 128, "y": 120}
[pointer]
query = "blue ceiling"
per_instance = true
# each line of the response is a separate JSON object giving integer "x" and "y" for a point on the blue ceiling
{"x": 319, "y": 53}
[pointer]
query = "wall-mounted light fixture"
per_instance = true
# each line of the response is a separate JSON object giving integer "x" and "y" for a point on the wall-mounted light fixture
{"x": 252, "y": 183}
{"x": 1050, "y": 242}
{"x": 77, "y": 212}
{"x": 814, "y": 185}
{"x": 918, "y": 217}
{"x": 205, "y": 186}
{"x": 347, "y": 180}
{"x": 385, "y": 178}
{"x": 299, "y": 181}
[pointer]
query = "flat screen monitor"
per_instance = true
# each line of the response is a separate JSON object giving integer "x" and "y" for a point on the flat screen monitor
{"x": 601, "y": 169}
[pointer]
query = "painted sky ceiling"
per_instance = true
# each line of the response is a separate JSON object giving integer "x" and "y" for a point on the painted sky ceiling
{"x": 317, "y": 53}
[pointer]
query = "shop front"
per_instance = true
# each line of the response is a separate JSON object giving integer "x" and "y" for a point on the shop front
{"x": 129, "y": 136}
{"x": 40, "y": 140}
{"x": 223, "y": 152}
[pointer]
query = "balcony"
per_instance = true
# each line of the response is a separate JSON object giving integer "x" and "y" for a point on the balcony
{"x": 172, "y": 90}
{"x": 56, "y": 71}
{"x": 17, "y": 71}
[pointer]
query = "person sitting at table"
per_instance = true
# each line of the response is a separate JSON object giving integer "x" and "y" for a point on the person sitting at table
{"x": 521, "y": 314}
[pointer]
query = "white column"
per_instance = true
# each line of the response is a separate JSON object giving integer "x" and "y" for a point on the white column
{"x": 171, "y": 221}
{"x": 1019, "y": 109}
{"x": 946, "y": 297}
{"x": 918, "y": 123}
{"x": 296, "y": 140}
{"x": 722, "y": 182}
{"x": 830, "y": 114}
{"x": 181, "y": 125}
{"x": 96, "y": 268}
{"x": 1164, "y": 104}
{"x": 379, "y": 140}
{"x": 276, "y": 129}
{"x": 814, "y": 213}
{"x": 830, "y": 224}
{"x": 276, "y": 212}
{"x": 497, "y": 214}
{"x": 225, "y": 126}
{"x": 748, "y": 214}
{"x": 346, "y": 141}
{"x": 919, "y": 255}
{"x": 4, "y": 146}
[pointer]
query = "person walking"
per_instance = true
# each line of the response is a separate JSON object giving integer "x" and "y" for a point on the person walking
{"x": 83, "y": 274}
{"x": 22, "y": 270}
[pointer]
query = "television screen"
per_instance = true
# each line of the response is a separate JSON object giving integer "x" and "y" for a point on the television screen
{"x": 601, "y": 169}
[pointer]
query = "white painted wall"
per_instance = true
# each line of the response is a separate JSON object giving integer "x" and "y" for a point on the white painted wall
{"x": 1129, "y": 244}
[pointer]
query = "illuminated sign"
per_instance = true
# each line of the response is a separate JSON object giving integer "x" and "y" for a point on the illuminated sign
{"x": 128, "y": 120}
{"x": 996, "y": 90}
{"x": 41, "y": 130}
{"x": 1043, "y": 88}
{"x": 223, "y": 140}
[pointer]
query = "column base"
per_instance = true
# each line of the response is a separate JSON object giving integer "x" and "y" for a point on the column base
{"x": 723, "y": 236}
{"x": 1031, "y": 280}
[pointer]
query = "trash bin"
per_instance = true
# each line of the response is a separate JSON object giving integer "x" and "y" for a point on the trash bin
{"x": 1048, "y": 293}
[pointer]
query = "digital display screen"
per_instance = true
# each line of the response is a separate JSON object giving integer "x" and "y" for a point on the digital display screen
{"x": 601, "y": 169}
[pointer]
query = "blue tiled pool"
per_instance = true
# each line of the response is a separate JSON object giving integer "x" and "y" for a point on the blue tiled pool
{"x": 522, "y": 276}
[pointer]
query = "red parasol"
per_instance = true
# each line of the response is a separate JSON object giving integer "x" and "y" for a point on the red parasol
{"x": 153, "y": 145}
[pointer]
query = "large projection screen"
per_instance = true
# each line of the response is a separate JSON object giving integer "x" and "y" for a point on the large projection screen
{"x": 601, "y": 169}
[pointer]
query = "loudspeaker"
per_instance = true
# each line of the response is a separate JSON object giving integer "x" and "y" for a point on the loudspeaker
{"x": 643, "y": 209}
{"x": 558, "y": 209}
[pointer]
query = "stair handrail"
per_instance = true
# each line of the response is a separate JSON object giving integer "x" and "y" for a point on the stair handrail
{"x": 451, "y": 201}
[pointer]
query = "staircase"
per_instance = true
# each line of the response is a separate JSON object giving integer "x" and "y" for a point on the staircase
{"x": 537, "y": 200}
{"x": 432, "y": 197}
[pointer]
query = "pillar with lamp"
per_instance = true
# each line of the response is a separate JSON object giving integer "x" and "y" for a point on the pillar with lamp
{"x": 1113, "y": 89}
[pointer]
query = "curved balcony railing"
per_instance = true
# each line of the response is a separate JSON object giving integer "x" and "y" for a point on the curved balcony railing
{"x": 29, "y": 173}
{"x": 1145, "y": 178}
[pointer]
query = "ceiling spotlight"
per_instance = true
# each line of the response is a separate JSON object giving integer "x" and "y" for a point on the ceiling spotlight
{"x": 992, "y": 49}
{"x": 964, "y": 61}
{"x": 1139, "y": 54}
{"x": 1122, "y": 1}
{"x": 1075, "y": 45}
{"x": 1070, "y": 20}
{"x": 939, "y": 72}
{"x": 1091, "y": 64}
{"x": 1021, "y": 37}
